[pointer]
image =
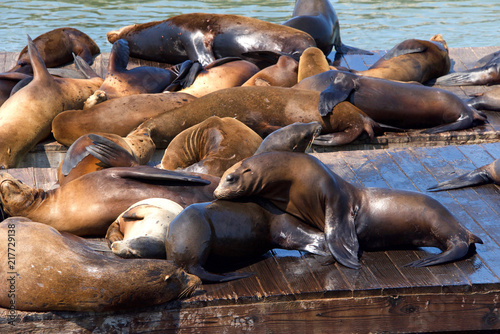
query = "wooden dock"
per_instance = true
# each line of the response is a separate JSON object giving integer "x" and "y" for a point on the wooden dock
{"x": 291, "y": 292}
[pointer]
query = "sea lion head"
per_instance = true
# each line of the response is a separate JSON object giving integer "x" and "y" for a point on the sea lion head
{"x": 439, "y": 38}
{"x": 236, "y": 181}
{"x": 14, "y": 195}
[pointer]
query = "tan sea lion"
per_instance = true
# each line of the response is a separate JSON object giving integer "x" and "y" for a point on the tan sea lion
{"x": 312, "y": 62}
{"x": 140, "y": 231}
{"x": 412, "y": 60}
{"x": 234, "y": 230}
{"x": 263, "y": 109}
{"x": 55, "y": 271}
{"x": 90, "y": 203}
{"x": 122, "y": 82}
{"x": 119, "y": 116}
{"x": 394, "y": 103}
{"x": 281, "y": 74}
{"x": 79, "y": 161}
{"x": 350, "y": 216}
{"x": 25, "y": 119}
{"x": 57, "y": 47}
{"x": 205, "y": 37}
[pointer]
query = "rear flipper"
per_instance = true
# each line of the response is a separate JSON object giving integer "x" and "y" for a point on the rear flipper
{"x": 478, "y": 76}
{"x": 474, "y": 178}
{"x": 456, "y": 251}
{"x": 346, "y": 49}
{"x": 465, "y": 121}
{"x": 206, "y": 276}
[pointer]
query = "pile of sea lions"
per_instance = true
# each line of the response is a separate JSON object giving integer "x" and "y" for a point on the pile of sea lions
{"x": 236, "y": 108}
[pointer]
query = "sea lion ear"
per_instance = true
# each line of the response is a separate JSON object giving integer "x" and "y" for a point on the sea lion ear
{"x": 338, "y": 91}
{"x": 246, "y": 171}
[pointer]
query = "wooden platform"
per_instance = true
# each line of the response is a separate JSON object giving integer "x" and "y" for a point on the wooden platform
{"x": 291, "y": 292}
{"x": 50, "y": 153}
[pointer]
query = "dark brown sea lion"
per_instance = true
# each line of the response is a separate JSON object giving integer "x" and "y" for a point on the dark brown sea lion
{"x": 350, "y": 216}
{"x": 263, "y": 109}
{"x": 489, "y": 100}
{"x": 487, "y": 72}
{"x": 412, "y": 60}
{"x": 394, "y": 103}
{"x": 57, "y": 47}
{"x": 318, "y": 19}
{"x": 211, "y": 146}
{"x": 119, "y": 116}
{"x": 141, "y": 230}
{"x": 122, "y": 82}
{"x": 79, "y": 161}
{"x": 231, "y": 229}
{"x": 206, "y": 37}
{"x": 26, "y": 117}
{"x": 281, "y": 74}
{"x": 8, "y": 81}
{"x": 90, "y": 203}
{"x": 61, "y": 272}
{"x": 482, "y": 175}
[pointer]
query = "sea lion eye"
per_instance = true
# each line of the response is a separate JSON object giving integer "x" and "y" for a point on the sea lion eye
{"x": 231, "y": 178}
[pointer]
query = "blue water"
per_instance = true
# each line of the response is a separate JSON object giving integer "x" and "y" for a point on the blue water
{"x": 365, "y": 24}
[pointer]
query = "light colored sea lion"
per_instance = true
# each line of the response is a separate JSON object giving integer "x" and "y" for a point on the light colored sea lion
{"x": 229, "y": 230}
{"x": 482, "y": 175}
{"x": 350, "y": 216}
{"x": 394, "y": 103}
{"x": 206, "y": 37}
{"x": 211, "y": 146}
{"x": 119, "y": 116}
{"x": 312, "y": 62}
{"x": 263, "y": 109}
{"x": 412, "y": 60}
{"x": 79, "y": 161}
{"x": 55, "y": 271}
{"x": 25, "y": 119}
{"x": 57, "y": 47}
{"x": 281, "y": 74}
{"x": 140, "y": 231}
{"x": 318, "y": 19}
{"x": 122, "y": 82}
{"x": 90, "y": 203}
{"x": 489, "y": 100}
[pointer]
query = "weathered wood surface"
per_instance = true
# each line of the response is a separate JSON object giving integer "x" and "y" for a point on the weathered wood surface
{"x": 292, "y": 292}
{"x": 50, "y": 153}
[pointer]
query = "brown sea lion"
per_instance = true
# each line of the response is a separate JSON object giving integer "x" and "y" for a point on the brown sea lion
{"x": 25, "y": 119}
{"x": 394, "y": 103}
{"x": 318, "y": 19}
{"x": 79, "y": 161}
{"x": 211, "y": 146}
{"x": 206, "y": 37}
{"x": 312, "y": 62}
{"x": 350, "y": 216}
{"x": 230, "y": 229}
{"x": 486, "y": 72}
{"x": 57, "y": 47}
{"x": 122, "y": 82}
{"x": 90, "y": 203}
{"x": 412, "y": 60}
{"x": 489, "y": 100}
{"x": 119, "y": 116}
{"x": 61, "y": 272}
{"x": 281, "y": 74}
{"x": 263, "y": 109}
{"x": 140, "y": 231}
{"x": 8, "y": 81}
{"x": 482, "y": 175}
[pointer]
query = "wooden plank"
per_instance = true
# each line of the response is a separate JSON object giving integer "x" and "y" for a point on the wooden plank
{"x": 45, "y": 178}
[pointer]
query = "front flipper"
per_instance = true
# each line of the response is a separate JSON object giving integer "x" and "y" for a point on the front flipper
{"x": 82, "y": 66}
{"x": 474, "y": 178}
{"x": 346, "y": 49}
{"x": 114, "y": 234}
{"x": 188, "y": 71}
{"x": 339, "y": 90}
{"x": 147, "y": 173}
{"x": 72, "y": 158}
{"x": 110, "y": 153}
{"x": 206, "y": 276}
{"x": 118, "y": 58}
{"x": 403, "y": 48}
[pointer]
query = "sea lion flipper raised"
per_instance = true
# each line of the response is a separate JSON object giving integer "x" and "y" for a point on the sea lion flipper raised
{"x": 339, "y": 90}
{"x": 84, "y": 67}
{"x": 474, "y": 178}
{"x": 71, "y": 159}
{"x": 118, "y": 58}
{"x": 405, "y": 47}
{"x": 186, "y": 75}
{"x": 110, "y": 153}
{"x": 40, "y": 71}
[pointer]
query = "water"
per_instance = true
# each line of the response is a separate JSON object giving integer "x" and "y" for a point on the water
{"x": 365, "y": 24}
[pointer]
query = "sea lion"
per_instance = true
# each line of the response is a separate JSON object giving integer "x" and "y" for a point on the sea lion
{"x": 205, "y": 37}
{"x": 482, "y": 175}
{"x": 230, "y": 229}
{"x": 486, "y": 72}
{"x": 281, "y": 74}
{"x": 140, "y": 231}
{"x": 489, "y": 100}
{"x": 412, "y": 60}
{"x": 263, "y": 109}
{"x": 56, "y": 48}
{"x": 26, "y": 117}
{"x": 119, "y": 116}
{"x": 122, "y": 82}
{"x": 318, "y": 19}
{"x": 312, "y": 62}
{"x": 90, "y": 203}
{"x": 211, "y": 146}
{"x": 394, "y": 103}
{"x": 350, "y": 216}
{"x": 8, "y": 81}
{"x": 61, "y": 272}
{"x": 78, "y": 161}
